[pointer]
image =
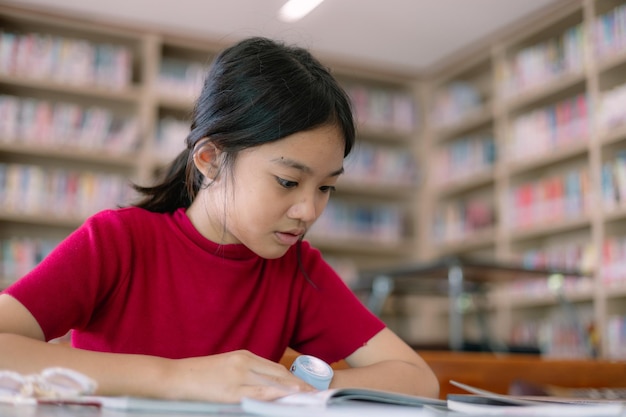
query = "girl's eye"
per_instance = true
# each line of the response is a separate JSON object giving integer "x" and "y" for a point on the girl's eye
{"x": 328, "y": 189}
{"x": 286, "y": 183}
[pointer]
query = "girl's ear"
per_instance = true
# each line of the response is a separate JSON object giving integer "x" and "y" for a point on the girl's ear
{"x": 207, "y": 159}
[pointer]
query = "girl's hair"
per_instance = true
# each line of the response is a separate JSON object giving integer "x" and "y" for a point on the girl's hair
{"x": 256, "y": 91}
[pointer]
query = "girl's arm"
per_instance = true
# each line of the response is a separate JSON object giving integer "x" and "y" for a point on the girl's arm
{"x": 387, "y": 363}
{"x": 222, "y": 378}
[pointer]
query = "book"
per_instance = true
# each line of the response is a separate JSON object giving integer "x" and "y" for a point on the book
{"x": 340, "y": 401}
{"x": 485, "y": 403}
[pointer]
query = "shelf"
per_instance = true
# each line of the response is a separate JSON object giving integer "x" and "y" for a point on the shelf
{"x": 176, "y": 103}
{"x": 619, "y": 213}
{"x": 610, "y": 62}
{"x": 468, "y": 121}
{"x": 541, "y": 92}
{"x": 473, "y": 241}
{"x": 64, "y": 152}
{"x": 520, "y": 300}
{"x": 467, "y": 183}
{"x": 43, "y": 219}
{"x": 613, "y": 135}
{"x": 554, "y": 156}
{"x": 361, "y": 246}
{"x": 4, "y": 283}
{"x": 351, "y": 187}
{"x": 129, "y": 95}
{"x": 548, "y": 228}
{"x": 383, "y": 134}
{"x": 617, "y": 290}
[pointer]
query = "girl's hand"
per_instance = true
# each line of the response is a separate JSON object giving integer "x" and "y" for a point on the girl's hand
{"x": 229, "y": 377}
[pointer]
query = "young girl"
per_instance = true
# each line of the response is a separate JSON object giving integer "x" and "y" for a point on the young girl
{"x": 196, "y": 291}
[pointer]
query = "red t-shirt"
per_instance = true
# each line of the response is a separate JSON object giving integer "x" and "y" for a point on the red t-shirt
{"x": 133, "y": 281}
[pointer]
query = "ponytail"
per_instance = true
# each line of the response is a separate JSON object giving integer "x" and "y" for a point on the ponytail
{"x": 173, "y": 191}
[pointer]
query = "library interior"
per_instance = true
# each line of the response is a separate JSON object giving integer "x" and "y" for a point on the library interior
{"x": 482, "y": 215}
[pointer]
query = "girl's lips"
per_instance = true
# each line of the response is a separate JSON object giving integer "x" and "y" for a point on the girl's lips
{"x": 287, "y": 238}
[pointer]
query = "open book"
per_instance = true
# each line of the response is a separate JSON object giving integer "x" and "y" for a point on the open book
{"x": 484, "y": 403}
{"x": 341, "y": 401}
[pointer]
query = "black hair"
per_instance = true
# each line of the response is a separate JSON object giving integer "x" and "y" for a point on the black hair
{"x": 256, "y": 91}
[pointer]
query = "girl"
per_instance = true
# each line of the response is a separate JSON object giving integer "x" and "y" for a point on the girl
{"x": 196, "y": 291}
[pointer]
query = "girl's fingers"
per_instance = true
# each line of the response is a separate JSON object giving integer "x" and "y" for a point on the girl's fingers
{"x": 264, "y": 392}
{"x": 271, "y": 388}
{"x": 287, "y": 382}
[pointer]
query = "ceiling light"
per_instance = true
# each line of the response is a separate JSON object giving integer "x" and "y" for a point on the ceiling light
{"x": 296, "y": 9}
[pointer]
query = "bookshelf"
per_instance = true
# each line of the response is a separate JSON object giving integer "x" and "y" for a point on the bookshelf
{"x": 371, "y": 217}
{"x": 86, "y": 107}
{"x": 533, "y": 125}
{"x": 70, "y": 99}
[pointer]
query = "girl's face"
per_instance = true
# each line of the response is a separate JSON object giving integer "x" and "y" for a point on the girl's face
{"x": 274, "y": 193}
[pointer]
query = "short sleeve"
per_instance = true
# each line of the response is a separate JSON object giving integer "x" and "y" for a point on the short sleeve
{"x": 332, "y": 321}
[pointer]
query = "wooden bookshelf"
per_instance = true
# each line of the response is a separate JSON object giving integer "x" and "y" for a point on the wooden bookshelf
{"x": 552, "y": 103}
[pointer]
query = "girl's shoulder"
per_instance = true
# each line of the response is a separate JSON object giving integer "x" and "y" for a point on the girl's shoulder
{"x": 128, "y": 220}
{"x": 125, "y": 214}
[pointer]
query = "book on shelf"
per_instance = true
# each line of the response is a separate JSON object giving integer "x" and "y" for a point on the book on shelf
{"x": 547, "y": 61}
{"x": 378, "y": 222}
{"x": 36, "y": 190}
{"x": 454, "y": 102}
{"x": 19, "y": 255}
{"x": 463, "y": 219}
{"x": 611, "y": 113}
{"x": 181, "y": 78}
{"x": 540, "y": 131}
{"x": 380, "y": 108}
{"x": 609, "y": 35}
{"x": 65, "y": 60}
{"x": 559, "y": 197}
{"x": 616, "y": 340}
{"x": 58, "y": 124}
{"x": 381, "y": 165}
{"x": 464, "y": 157}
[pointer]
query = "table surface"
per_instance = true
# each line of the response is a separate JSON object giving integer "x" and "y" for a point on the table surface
{"x": 361, "y": 410}
{"x": 82, "y": 411}
{"x": 86, "y": 411}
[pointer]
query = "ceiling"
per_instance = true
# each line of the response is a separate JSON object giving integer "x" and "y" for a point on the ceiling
{"x": 409, "y": 36}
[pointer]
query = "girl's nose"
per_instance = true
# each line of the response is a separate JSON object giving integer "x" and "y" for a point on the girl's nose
{"x": 304, "y": 210}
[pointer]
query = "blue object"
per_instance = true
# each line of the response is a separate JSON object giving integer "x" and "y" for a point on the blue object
{"x": 313, "y": 371}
